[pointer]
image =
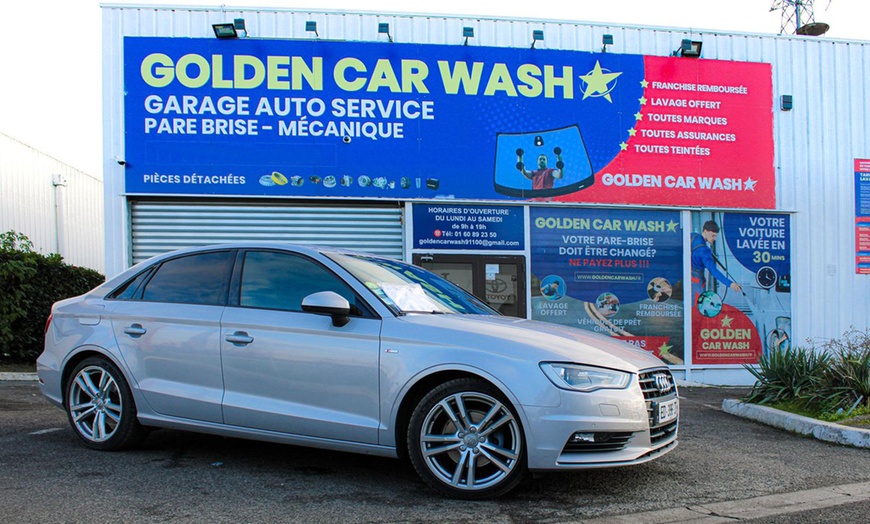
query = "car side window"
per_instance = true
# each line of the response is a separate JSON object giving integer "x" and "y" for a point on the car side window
{"x": 274, "y": 280}
{"x": 195, "y": 279}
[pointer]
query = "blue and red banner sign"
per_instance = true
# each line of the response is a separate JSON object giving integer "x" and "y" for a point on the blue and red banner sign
{"x": 616, "y": 272}
{"x": 301, "y": 118}
{"x": 862, "y": 216}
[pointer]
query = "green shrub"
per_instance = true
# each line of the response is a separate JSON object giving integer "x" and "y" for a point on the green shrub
{"x": 17, "y": 268}
{"x": 29, "y": 284}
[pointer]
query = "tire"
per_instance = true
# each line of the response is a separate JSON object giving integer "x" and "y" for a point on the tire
{"x": 465, "y": 440}
{"x": 100, "y": 407}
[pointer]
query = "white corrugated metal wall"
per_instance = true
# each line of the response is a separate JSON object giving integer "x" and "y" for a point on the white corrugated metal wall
{"x": 58, "y": 207}
{"x": 815, "y": 143}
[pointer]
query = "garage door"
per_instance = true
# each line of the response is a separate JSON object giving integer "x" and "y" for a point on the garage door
{"x": 160, "y": 226}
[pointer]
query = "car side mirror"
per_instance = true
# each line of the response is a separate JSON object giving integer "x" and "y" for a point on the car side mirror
{"x": 329, "y": 303}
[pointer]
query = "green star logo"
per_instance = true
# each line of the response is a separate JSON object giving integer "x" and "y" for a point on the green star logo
{"x": 599, "y": 83}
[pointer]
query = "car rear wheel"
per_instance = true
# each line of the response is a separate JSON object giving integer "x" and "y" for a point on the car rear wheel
{"x": 465, "y": 440}
{"x": 100, "y": 406}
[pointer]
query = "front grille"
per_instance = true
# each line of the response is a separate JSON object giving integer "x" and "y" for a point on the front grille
{"x": 651, "y": 385}
{"x": 604, "y": 442}
{"x": 663, "y": 433}
{"x": 658, "y": 385}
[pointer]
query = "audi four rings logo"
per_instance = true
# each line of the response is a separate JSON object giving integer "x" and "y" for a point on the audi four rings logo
{"x": 663, "y": 382}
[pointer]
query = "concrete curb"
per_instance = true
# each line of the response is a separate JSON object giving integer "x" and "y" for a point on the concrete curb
{"x": 18, "y": 376}
{"x": 825, "y": 431}
{"x": 689, "y": 384}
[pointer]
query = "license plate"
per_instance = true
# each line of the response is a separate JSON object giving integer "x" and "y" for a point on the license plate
{"x": 668, "y": 411}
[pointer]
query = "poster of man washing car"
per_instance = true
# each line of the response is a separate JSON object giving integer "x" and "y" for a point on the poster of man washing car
{"x": 741, "y": 286}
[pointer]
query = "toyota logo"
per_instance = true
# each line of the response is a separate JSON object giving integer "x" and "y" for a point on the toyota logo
{"x": 496, "y": 285}
{"x": 663, "y": 382}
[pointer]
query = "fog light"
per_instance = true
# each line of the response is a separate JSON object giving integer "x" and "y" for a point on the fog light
{"x": 583, "y": 437}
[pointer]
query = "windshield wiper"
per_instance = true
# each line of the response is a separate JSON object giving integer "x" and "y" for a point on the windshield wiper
{"x": 430, "y": 312}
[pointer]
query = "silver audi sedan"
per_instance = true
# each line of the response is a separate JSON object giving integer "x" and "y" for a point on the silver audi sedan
{"x": 347, "y": 351}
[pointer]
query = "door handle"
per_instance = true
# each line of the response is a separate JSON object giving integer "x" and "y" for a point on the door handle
{"x": 136, "y": 330}
{"x": 240, "y": 338}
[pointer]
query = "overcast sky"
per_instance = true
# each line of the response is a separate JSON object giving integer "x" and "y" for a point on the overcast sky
{"x": 50, "y": 85}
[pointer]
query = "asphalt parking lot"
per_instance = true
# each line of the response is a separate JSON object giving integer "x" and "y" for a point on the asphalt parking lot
{"x": 46, "y": 475}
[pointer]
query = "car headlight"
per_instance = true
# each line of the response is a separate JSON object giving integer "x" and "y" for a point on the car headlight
{"x": 584, "y": 378}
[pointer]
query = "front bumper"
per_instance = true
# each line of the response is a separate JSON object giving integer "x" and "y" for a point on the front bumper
{"x": 616, "y": 427}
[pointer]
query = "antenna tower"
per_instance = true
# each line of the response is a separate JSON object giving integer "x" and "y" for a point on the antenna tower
{"x": 798, "y": 18}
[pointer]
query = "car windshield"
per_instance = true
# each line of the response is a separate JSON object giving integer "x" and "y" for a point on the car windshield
{"x": 405, "y": 288}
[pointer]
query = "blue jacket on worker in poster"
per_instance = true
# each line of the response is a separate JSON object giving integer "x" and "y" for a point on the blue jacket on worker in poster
{"x": 702, "y": 258}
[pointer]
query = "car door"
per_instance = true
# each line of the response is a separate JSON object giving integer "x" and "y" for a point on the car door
{"x": 294, "y": 372}
{"x": 167, "y": 326}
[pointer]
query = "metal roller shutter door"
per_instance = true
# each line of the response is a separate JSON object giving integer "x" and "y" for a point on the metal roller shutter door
{"x": 158, "y": 227}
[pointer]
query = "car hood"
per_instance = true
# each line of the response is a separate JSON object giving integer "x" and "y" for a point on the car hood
{"x": 542, "y": 341}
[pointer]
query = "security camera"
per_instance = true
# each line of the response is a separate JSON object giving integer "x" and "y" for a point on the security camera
{"x": 120, "y": 161}
{"x": 346, "y": 139}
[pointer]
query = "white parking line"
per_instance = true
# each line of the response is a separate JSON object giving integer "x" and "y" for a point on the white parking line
{"x": 44, "y": 431}
{"x": 30, "y": 377}
{"x": 766, "y": 506}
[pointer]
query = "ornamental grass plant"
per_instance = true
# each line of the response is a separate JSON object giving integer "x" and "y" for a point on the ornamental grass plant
{"x": 789, "y": 374}
{"x": 846, "y": 382}
{"x": 829, "y": 381}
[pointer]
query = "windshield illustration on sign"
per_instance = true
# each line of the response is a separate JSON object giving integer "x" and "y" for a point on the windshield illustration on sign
{"x": 558, "y": 163}
{"x": 741, "y": 286}
{"x": 615, "y": 272}
{"x": 310, "y": 118}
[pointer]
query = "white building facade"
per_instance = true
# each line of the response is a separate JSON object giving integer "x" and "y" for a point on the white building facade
{"x": 59, "y": 208}
{"x": 555, "y": 176}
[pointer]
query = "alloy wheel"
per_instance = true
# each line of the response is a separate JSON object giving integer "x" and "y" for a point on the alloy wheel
{"x": 470, "y": 441}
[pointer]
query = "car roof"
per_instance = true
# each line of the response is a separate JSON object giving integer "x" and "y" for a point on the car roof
{"x": 263, "y": 244}
{"x": 311, "y": 250}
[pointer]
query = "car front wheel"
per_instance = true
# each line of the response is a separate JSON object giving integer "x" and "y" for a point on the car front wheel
{"x": 100, "y": 406}
{"x": 465, "y": 440}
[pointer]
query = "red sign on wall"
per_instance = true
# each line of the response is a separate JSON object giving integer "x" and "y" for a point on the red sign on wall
{"x": 703, "y": 137}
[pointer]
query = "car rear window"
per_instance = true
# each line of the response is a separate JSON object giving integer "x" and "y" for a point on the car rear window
{"x": 195, "y": 279}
